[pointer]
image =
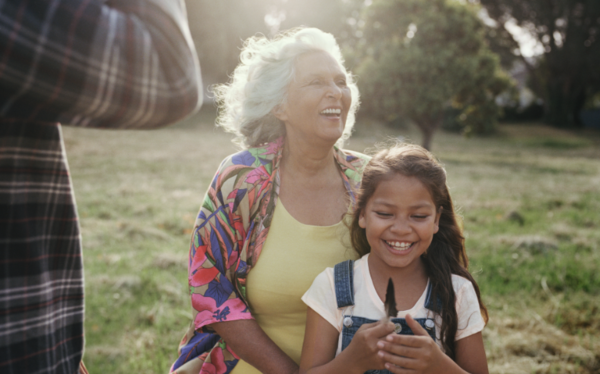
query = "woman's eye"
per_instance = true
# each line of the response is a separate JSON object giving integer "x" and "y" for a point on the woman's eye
{"x": 342, "y": 83}
{"x": 383, "y": 214}
{"x": 420, "y": 216}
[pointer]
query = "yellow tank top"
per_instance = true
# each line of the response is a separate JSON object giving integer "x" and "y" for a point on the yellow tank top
{"x": 292, "y": 256}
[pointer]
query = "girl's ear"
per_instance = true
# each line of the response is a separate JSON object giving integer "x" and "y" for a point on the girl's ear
{"x": 437, "y": 220}
{"x": 362, "y": 222}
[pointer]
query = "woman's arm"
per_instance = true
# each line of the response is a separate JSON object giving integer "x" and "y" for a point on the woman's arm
{"x": 251, "y": 344}
{"x": 320, "y": 345}
{"x": 419, "y": 354}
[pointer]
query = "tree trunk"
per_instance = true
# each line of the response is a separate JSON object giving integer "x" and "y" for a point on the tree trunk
{"x": 427, "y": 133}
{"x": 428, "y": 126}
{"x": 564, "y": 100}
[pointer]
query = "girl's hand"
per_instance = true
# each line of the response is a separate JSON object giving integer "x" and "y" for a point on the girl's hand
{"x": 320, "y": 345}
{"x": 363, "y": 350}
{"x": 414, "y": 354}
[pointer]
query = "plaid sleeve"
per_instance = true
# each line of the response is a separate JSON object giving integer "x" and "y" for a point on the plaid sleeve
{"x": 124, "y": 63}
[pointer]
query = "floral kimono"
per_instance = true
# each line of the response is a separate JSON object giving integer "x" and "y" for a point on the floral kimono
{"x": 229, "y": 234}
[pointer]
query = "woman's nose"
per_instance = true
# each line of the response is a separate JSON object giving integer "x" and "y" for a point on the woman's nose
{"x": 334, "y": 91}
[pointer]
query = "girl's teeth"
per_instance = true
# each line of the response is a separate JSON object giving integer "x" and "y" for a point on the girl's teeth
{"x": 400, "y": 245}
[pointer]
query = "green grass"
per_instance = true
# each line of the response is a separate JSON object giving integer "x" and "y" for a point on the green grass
{"x": 554, "y": 143}
{"x": 530, "y": 211}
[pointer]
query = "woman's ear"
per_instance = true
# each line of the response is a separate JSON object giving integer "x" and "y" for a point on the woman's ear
{"x": 279, "y": 112}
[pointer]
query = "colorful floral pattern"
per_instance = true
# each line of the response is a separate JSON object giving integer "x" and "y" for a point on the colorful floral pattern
{"x": 229, "y": 234}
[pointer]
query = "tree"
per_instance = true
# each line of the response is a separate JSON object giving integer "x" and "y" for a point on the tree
{"x": 569, "y": 31}
{"x": 423, "y": 56}
{"x": 220, "y": 27}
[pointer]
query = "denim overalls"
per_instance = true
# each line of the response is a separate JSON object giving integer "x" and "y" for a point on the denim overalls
{"x": 343, "y": 274}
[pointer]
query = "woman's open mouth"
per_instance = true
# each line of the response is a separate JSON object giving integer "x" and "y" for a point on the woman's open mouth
{"x": 331, "y": 112}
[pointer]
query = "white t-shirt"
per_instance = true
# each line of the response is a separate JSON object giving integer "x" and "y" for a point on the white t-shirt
{"x": 320, "y": 297}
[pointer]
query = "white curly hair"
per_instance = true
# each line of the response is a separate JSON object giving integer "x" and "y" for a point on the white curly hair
{"x": 260, "y": 83}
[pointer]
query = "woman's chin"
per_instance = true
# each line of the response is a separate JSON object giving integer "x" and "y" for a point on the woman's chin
{"x": 325, "y": 132}
{"x": 332, "y": 132}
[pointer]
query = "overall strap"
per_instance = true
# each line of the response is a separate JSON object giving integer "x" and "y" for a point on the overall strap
{"x": 432, "y": 304}
{"x": 343, "y": 275}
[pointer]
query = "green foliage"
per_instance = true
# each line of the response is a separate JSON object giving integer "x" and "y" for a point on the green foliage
{"x": 421, "y": 57}
{"x": 568, "y": 31}
{"x": 503, "y": 44}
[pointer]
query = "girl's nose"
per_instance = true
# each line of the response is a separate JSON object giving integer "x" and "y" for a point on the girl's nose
{"x": 401, "y": 226}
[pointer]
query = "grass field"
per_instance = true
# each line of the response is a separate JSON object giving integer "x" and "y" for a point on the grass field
{"x": 530, "y": 199}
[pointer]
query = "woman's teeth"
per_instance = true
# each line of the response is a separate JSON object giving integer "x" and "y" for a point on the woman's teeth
{"x": 332, "y": 111}
{"x": 399, "y": 245}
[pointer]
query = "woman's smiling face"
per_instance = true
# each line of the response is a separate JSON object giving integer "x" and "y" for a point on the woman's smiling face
{"x": 318, "y": 100}
{"x": 400, "y": 220}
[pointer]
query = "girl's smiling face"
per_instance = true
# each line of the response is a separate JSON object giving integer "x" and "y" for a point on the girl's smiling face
{"x": 400, "y": 219}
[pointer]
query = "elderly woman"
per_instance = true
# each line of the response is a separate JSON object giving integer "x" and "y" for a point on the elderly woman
{"x": 272, "y": 217}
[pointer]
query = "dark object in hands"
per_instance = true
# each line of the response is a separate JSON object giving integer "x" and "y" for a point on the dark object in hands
{"x": 390, "y": 300}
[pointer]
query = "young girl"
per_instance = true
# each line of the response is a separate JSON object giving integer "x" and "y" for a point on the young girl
{"x": 404, "y": 227}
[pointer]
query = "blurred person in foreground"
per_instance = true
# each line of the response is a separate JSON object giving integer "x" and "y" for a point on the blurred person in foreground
{"x": 118, "y": 64}
{"x": 272, "y": 217}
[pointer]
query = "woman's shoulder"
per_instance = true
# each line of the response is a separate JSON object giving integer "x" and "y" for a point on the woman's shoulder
{"x": 253, "y": 157}
{"x": 249, "y": 159}
{"x": 352, "y": 163}
{"x": 355, "y": 157}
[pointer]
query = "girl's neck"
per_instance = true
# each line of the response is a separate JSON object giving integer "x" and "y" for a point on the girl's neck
{"x": 409, "y": 281}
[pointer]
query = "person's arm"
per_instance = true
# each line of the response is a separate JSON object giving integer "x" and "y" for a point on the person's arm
{"x": 320, "y": 345}
{"x": 247, "y": 339}
{"x": 113, "y": 64}
{"x": 470, "y": 354}
{"x": 406, "y": 354}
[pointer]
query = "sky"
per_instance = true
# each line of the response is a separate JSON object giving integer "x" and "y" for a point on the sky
{"x": 529, "y": 46}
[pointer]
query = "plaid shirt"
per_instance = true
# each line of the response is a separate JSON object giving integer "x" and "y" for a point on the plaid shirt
{"x": 130, "y": 64}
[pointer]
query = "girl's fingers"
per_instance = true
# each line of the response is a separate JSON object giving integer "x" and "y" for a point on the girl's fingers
{"x": 378, "y": 329}
{"x": 416, "y": 328}
{"x": 398, "y": 350}
{"x": 385, "y": 328}
{"x": 408, "y": 340}
{"x": 398, "y": 363}
{"x": 398, "y": 370}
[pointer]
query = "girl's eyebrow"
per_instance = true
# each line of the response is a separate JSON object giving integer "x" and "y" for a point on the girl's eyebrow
{"x": 422, "y": 205}
{"x": 418, "y": 205}
{"x": 383, "y": 203}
